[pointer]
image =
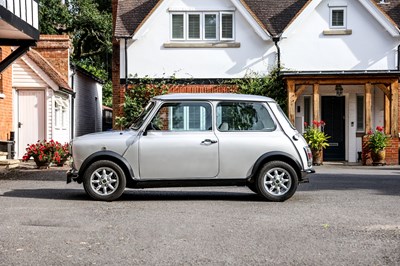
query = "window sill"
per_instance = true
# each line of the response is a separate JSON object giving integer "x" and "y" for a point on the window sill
{"x": 2, "y": 96}
{"x": 202, "y": 45}
{"x": 360, "y": 134}
{"x": 338, "y": 32}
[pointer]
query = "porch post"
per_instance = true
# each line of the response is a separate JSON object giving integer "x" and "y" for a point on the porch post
{"x": 291, "y": 100}
{"x": 368, "y": 107}
{"x": 394, "y": 87}
{"x": 387, "y": 122}
{"x": 316, "y": 115}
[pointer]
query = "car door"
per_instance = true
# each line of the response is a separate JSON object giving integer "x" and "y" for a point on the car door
{"x": 246, "y": 131}
{"x": 179, "y": 143}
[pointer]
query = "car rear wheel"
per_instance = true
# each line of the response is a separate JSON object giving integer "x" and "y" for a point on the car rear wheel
{"x": 104, "y": 180}
{"x": 277, "y": 181}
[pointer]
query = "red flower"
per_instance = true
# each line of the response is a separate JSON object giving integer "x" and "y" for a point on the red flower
{"x": 305, "y": 124}
{"x": 379, "y": 128}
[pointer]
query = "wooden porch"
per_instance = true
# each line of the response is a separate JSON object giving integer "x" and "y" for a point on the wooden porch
{"x": 387, "y": 82}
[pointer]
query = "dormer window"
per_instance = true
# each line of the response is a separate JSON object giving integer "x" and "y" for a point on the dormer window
{"x": 202, "y": 26}
{"x": 338, "y": 17}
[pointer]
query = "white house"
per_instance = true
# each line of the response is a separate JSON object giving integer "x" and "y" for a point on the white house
{"x": 41, "y": 94}
{"x": 53, "y": 99}
{"x": 327, "y": 48}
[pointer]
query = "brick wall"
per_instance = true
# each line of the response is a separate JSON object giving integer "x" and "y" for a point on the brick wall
{"x": 6, "y": 103}
{"x": 55, "y": 48}
{"x": 392, "y": 152}
{"x": 199, "y": 88}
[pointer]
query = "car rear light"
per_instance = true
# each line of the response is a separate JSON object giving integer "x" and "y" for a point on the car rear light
{"x": 308, "y": 155}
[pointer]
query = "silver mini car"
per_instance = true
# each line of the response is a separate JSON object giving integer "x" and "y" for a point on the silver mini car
{"x": 196, "y": 140}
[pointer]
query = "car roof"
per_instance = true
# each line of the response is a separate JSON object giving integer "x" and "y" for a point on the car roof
{"x": 213, "y": 97}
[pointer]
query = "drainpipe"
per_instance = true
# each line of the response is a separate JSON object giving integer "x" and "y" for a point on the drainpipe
{"x": 73, "y": 102}
{"x": 398, "y": 57}
{"x": 126, "y": 63}
{"x": 276, "y": 39}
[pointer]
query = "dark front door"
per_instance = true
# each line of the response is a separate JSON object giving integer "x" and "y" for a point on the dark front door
{"x": 333, "y": 114}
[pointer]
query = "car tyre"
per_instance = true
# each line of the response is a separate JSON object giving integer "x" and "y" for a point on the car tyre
{"x": 277, "y": 181}
{"x": 104, "y": 180}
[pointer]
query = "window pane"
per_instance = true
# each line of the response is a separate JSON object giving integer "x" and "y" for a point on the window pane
{"x": 194, "y": 26}
{"x": 177, "y": 118}
{"x": 307, "y": 110}
{"x": 338, "y": 18}
{"x": 227, "y": 26}
{"x": 244, "y": 117}
{"x": 184, "y": 116}
{"x": 360, "y": 113}
{"x": 57, "y": 114}
{"x": 177, "y": 26}
{"x": 210, "y": 26}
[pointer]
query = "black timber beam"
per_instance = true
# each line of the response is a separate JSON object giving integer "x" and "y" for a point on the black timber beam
{"x": 13, "y": 56}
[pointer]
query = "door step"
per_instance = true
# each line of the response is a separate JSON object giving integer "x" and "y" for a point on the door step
{"x": 8, "y": 163}
{"x": 3, "y": 155}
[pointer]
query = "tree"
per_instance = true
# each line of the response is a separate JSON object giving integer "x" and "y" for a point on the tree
{"x": 89, "y": 24}
{"x": 54, "y": 17}
{"x": 271, "y": 85}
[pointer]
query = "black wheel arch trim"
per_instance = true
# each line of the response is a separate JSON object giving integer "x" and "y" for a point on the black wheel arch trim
{"x": 278, "y": 156}
{"x": 107, "y": 155}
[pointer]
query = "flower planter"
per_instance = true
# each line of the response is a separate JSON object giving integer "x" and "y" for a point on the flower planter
{"x": 41, "y": 164}
{"x": 378, "y": 158}
{"x": 62, "y": 162}
{"x": 318, "y": 156}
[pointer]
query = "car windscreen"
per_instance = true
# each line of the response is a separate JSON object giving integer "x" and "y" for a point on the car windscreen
{"x": 138, "y": 122}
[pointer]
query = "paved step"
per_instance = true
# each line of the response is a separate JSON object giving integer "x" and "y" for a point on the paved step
{"x": 3, "y": 155}
{"x": 9, "y": 164}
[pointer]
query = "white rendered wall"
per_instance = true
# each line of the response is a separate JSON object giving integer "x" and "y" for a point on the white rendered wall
{"x": 147, "y": 56}
{"x": 369, "y": 47}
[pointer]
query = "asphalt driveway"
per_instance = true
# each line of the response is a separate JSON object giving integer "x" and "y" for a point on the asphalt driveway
{"x": 347, "y": 215}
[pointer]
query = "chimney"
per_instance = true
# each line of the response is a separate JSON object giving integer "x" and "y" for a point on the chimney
{"x": 56, "y": 50}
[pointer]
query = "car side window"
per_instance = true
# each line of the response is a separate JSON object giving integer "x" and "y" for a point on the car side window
{"x": 184, "y": 116}
{"x": 244, "y": 116}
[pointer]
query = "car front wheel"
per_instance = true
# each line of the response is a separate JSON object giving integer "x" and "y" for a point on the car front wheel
{"x": 104, "y": 180}
{"x": 277, "y": 181}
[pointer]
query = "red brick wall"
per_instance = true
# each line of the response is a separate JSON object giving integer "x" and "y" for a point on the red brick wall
{"x": 6, "y": 103}
{"x": 198, "y": 88}
{"x": 392, "y": 152}
{"x": 55, "y": 48}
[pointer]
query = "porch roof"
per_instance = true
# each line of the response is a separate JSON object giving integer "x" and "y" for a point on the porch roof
{"x": 49, "y": 69}
{"x": 392, "y": 73}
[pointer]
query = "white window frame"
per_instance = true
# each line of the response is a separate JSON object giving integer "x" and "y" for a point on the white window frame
{"x": 184, "y": 26}
{"x": 233, "y": 26}
{"x": 344, "y": 9}
{"x": 57, "y": 115}
{"x": 216, "y": 26}
{"x": 200, "y": 25}
{"x": 60, "y": 113}
{"x": 202, "y": 15}
{"x": 363, "y": 113}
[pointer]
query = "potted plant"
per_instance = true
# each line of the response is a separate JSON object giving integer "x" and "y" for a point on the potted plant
{"x": 41, "y": 152}
{"x": 377, "y": 142}
{"x": 61, "y": 153}
{"x": 45, "y": 152}
{"x": 317, "y": 140}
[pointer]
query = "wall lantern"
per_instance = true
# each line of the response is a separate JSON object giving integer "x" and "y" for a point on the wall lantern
{"x": 339, "y": 90}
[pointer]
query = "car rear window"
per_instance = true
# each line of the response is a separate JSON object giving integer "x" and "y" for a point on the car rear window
{"x": 244, "y": 116}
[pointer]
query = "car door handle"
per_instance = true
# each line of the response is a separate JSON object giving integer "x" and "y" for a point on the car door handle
{"x": 208, "y": 141}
